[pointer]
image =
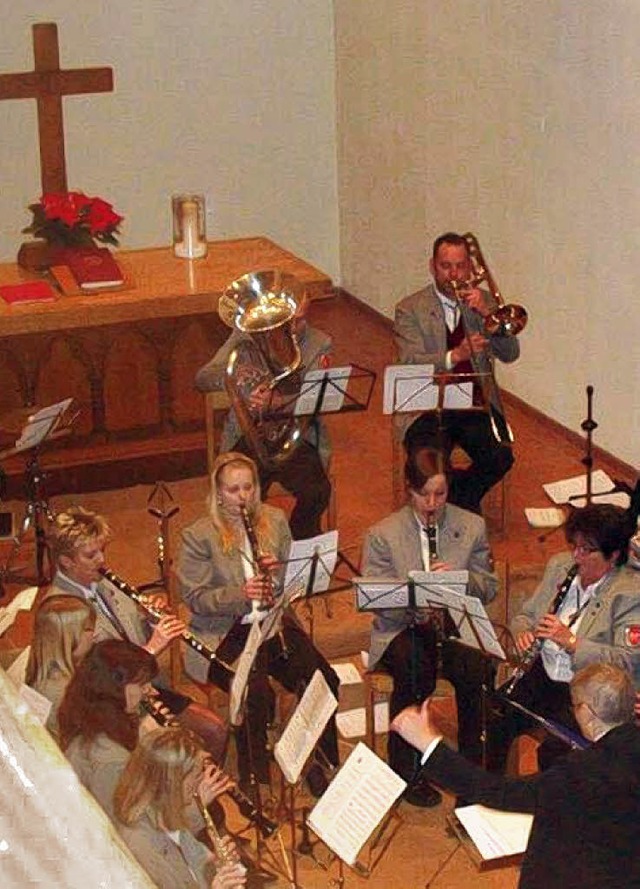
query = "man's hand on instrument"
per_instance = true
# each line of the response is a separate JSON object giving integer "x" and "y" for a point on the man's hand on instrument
{"x": 157, "y": 600}
{"x": 525, "y": 640}
{"x": 550, "y": 627}
{"x": 475, "y": 343}
{"x": 415, "y": 726}
{"x": 168, "y": 628}
{"x": 475, "y": 299}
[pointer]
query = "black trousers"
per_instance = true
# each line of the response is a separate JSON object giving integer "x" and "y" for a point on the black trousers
{"x": 412, "y": 660}
{"x": 291, "y": 659}
{"x": 544, "y": 696}
{"x": 470, "y": 430}
{"x": 303, "y": 475}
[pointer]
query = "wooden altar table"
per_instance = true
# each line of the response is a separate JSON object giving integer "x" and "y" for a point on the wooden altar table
{"x": 129, "y": 357}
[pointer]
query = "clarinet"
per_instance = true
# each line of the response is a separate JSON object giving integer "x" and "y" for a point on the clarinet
{"x": 256, "y": 555}
{"x": 165, "y": 718}
{"x": 432, "y": 538}
{"x": 157, "y": 613}
{"x": 531, "y": 653}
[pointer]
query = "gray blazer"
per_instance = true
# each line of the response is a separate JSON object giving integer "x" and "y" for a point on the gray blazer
{"x": 392, "y": 549}
{"x": 609, "y": 627}
{"x": 99, "y": 766}
{"x": 210, "y": 582}
{"x": 314, "y": 347}
{"x": 125, "y": 609}
{"x": 421, "y": 337}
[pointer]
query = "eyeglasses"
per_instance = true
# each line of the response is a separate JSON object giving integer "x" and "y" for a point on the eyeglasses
{"x": 584, "y": 549}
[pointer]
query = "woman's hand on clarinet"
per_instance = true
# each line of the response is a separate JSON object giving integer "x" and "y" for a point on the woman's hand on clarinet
{"x": 439, "y": 566}
{"x": 415, "y": 726}
{"x": 525, "y": 640}
{"x": 168, "y": 628}
{"x": 230, "y": 876}
{"x": 214, "y": 783}
{"x": 550, "y": 627}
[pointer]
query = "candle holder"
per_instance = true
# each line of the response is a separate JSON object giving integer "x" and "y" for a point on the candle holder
{"x": 189, "y": 229}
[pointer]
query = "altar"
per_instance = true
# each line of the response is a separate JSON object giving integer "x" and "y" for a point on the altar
{"x": 128, "y": 357}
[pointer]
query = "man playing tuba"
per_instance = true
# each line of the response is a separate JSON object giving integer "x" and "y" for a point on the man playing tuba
{"x": 444, "y": 324}
{"x": 303, "y": 471}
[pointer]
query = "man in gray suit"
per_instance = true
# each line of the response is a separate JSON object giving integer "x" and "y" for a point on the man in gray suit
{"x": 404, "y": 641}
{"x": 432, "y": 327}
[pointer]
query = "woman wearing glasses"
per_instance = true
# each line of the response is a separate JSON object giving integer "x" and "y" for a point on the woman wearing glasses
{"x": 586, "y": 610}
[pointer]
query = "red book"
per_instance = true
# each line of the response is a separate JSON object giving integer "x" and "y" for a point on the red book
{"x": 30, "y": 292}
{"x": 94, "y": 268}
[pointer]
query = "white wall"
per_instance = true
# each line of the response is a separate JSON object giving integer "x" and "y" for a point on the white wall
{"x": 518, "y": 121}
{"x": 235, "y": 99}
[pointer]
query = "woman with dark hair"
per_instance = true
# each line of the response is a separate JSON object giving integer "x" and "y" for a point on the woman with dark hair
{"x": 428, "y": 534}
{"x": 99, "y": 715}
{"x": 227, "y": 589}
{"x": 586, "y": 610}
{"x": 151, "y": 801}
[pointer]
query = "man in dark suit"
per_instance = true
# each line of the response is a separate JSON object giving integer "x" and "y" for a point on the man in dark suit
{"x": 586, "y": 807}
{"x": 433, "y": 326}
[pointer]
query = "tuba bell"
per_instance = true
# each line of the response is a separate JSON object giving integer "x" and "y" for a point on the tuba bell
{"x": 262, "y": 306}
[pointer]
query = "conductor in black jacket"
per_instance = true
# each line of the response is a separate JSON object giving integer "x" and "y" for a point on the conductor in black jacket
{"x": 586, "y": 807}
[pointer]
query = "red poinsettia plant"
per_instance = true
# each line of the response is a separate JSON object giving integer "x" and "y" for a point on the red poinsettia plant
{"x": 72, "y": 219}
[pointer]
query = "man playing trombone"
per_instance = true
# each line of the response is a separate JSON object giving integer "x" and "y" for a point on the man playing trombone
{"x": 444, "y": 324}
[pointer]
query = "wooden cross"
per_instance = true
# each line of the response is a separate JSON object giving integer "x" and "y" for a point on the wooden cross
{"x": 47, "y": 84}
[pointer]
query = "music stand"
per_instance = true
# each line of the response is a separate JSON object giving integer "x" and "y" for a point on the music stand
{"x": 44, "y": 425}
{"x": 309, "y": 568}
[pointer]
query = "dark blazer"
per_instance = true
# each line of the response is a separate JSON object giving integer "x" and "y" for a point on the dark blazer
{"x": 586, "y": 807}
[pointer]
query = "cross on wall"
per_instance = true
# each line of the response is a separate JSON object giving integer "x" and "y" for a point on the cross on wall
{"x": 47, "y": 84}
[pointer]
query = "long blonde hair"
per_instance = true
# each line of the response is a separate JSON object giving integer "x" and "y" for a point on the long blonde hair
{"x": 152, "y": 781}
{"x": 58, "y": 627}
{"x": 229, "y": 533}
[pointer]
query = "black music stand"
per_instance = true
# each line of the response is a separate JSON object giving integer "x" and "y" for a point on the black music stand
{"x": 44, "y": 425}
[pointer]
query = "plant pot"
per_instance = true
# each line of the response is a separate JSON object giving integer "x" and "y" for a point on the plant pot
{"x": 36, "y": 256}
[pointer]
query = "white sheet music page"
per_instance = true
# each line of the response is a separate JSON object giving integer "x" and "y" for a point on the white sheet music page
{"x": 333, "y": 397}
{"x": 305, "y": 727}
{"x": 409, "y": 387}
{"x": 496, "y": 834}
{"x": 299, "y": 562}
{"x": 567, "y": 489}
{"x": 241, "y": 676}
{"x": 357, "y": 800}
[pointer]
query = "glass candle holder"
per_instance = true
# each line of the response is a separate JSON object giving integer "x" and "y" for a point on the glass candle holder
{"x": 189, "y": 226}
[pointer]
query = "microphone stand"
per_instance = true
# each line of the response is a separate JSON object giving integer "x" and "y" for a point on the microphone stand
{"x": 588, "y": 426}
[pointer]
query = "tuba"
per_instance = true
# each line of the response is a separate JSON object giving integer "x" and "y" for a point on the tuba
{"x": 262, "y": 305}
{"x": 505, "y": 320}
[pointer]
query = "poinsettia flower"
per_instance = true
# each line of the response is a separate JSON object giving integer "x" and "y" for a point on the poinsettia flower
{"x": 101, "y": 217}
{"x": 60, "y": 206}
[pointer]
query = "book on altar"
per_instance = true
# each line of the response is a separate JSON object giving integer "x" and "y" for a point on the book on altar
{"x": 29, "y": 292}
{"x": 94, "y": 268}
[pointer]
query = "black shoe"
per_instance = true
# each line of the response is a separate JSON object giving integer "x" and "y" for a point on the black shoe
{"x": 316, "y": 781}
{"x": 422, "y": 795}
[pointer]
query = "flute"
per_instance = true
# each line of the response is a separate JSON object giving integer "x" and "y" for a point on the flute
{"x": 157, "y": 613}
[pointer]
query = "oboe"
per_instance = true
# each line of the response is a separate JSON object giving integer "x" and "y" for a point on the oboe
{"x": 164, "y": 717}
{"x": 157, "y": 613}
{"x": 530, "y": 654}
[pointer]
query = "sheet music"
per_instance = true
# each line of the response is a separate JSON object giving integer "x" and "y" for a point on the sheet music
{"x": 303, "y": 730}
{"x": 353, "y": 723}
{"x": 496, "y": 834}
{"x": 299, "y": 562}
{"x": 564, "y": 490}
{"x": 434, "y": 588}
{"x": 347, "y": 673}
{"x": 413, "y": 387}
{"x": 22, "y": 601}
{"x": 548, "y": 517}
{"x": 357, "y": 800}
{"x": 334, "y": 393}
{"x": 40, "y": 425}
{"x": 238, "y": 686}
{"x": 376, "y": 593}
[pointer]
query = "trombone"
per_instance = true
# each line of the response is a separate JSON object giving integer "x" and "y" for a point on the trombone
{"x": 505, "y": 320}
